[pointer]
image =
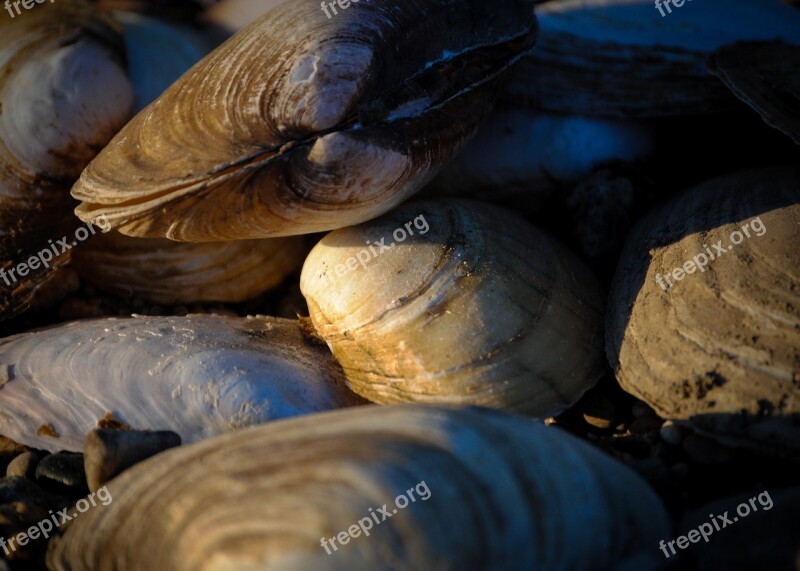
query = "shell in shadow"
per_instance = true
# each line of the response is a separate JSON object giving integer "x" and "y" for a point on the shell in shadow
{"x": 766, "y": 76}
{"x": 492, "y": 492}
{"x": 457, "y": 302}
{"x": 63, "y": 95}
{"x": 198, "y": 376}
{"x": 300, "y": 124}
{"x": 704, "y": 315}
{"x": 168, "y": 272}
{"x": 623, "y": 58}
{"x": 519, "y": 157}
{"x": 158, "y": 53}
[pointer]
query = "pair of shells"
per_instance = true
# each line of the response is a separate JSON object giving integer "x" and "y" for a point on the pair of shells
{"x": 704, "y": 316}
{"x": 494, "y": 492}
{"x": 198, "y": 376}
{"x": 332, "y": 126}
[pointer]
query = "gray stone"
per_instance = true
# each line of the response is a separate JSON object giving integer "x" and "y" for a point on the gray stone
{"x": 107, "y": 453}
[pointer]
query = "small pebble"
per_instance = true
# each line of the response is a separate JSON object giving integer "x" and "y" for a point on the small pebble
{"x": 107, "y": 453}
{"x": 671, "y": 433}
{"x": 62, "y": 473}
{"x": 599, "y": 412}
{"x": 23, "y": 466}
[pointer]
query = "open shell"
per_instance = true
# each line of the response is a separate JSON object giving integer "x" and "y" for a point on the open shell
{"x": 623, "y": 58}
{"x": 63, "y": 95}
{"x": 720, "y": 347}
{"x": 168, "y": 272}
{"x": 198, "y": 376}
{"x": 337, "y": 120}
{"x": 503, "y": 494}
{"x": 473, "y": 306}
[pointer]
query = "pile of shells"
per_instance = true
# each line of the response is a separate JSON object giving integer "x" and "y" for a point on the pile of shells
{"x": 576, "y": 334}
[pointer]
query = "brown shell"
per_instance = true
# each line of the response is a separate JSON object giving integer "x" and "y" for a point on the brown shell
{"x": 63, "y": 95}
{"x": 484, "y": 491}
{"x": 336, "y": 120}
{"x": 718, "y": 342}
{"x": 168, "y": 272}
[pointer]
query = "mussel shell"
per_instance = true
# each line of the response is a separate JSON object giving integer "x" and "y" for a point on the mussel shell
{"x": 168, "y": 272}
{"x": 504, "y": 494}
{"x": 198, "y": 376}
{"x": 480, "y": 308}
{"x": 623, "y": 58}
{"x": 63, "y": 95}
{"x": 721, "y": 347}
{"x": 300, "y": 123}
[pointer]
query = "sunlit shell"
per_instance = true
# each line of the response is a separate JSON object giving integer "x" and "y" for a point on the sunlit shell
{"x": 300, "y": 123}
{"x": 492, "y": 492}
{"x": 457, "y": 302}
{"x": 718, "y": 347}
{"x": 198, "y": 376}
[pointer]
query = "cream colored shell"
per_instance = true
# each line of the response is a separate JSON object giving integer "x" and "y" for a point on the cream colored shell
{"x": 482, "y": 308}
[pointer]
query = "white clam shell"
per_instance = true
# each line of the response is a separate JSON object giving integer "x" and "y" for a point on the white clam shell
{"x": 505, "y": 494}
{"x": 198, "y": 376}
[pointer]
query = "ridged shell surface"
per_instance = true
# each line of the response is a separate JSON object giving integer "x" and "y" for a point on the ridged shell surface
{"x": 302, "y": 123}
{"x": 503, "y": 494}
{"x": 168, "y": 272}
{"x": 63, "y": 95}
{"x": 704, "y": 315}
{"x": 457, "y": 302}
{"x": 198, "y": 376}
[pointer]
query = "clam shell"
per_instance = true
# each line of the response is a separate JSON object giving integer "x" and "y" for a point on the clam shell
{"x": 766, "y": 76}
{"x": 336, "y": 120}
{"x": 721, "y": 347}
{"x": 198, "y": 376}
{"x": 503, "y": 493}
{"x": 479, "y": 308}
{"x": 64, "y": 94}
{"x": 519, "y": 157}
{"x": 622, "y": 58}
{"x": 168, "y": 272}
